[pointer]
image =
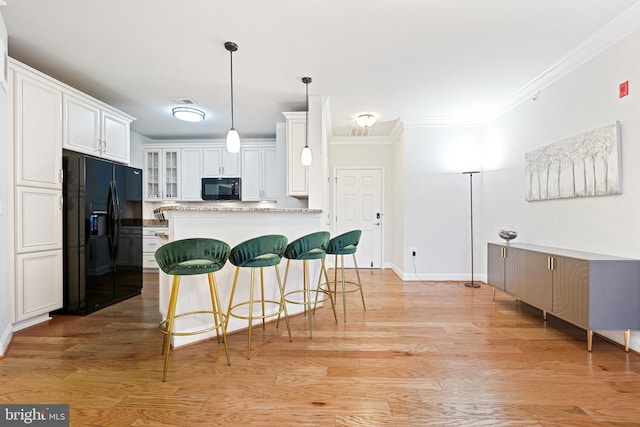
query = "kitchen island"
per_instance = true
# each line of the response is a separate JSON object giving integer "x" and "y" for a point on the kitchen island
{"x": 233, "y": 225}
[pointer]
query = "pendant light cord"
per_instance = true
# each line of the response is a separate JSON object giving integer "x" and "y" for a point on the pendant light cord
{"x": 306, "y": 81}
{"x": 231, "y": 54}
{"x": 231, "y": 47}
{"x": 306, "y": 125}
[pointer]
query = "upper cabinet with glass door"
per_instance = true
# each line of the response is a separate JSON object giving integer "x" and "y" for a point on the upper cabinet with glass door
{"x": 171, "y": 173}
{"x": 161, "y": 173}
{"x": 152, "y": 184}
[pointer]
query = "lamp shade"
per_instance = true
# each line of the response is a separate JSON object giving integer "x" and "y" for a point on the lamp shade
{"x": 188, "y": 114}
{"x": 233, "y": 141}
{"x": 306, "y": 157}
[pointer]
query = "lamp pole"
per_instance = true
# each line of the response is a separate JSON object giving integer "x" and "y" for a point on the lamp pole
{"x": 471, "y": 284}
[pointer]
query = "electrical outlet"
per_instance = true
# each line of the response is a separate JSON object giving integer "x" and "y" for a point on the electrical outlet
{"x": 413, "y": 251}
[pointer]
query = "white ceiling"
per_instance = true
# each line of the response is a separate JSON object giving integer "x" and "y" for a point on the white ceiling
{"x": 410, "y": 59}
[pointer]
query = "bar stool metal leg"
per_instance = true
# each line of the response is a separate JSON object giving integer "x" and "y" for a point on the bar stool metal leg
{"x": 171, "y": 314}
{"x": 323, "y": 269}
{"x": 220, "y": 320}
{"x": 284, "y": 306}
{"x": 355, "y": 263}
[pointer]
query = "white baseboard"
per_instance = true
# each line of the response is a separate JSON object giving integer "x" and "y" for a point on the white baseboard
{"x": 30, "y": 322}
{"x": 435, "y": 277}
{"x": 5, "y": 340}
{"x": 618, "y": 337}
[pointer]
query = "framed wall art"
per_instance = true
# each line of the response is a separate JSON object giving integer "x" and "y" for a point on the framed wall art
{"x": 584, "y": 165}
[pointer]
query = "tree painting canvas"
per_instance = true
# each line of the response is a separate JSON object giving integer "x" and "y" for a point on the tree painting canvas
{"x": 584, "y": 165}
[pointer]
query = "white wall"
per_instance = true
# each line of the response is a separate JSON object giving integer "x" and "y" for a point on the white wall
{"x": 6, "y": 168}
{"x": 318, "y": 197}
{"x": 584, "y": 100}
{"x": 137, "y": 142}
{"x": 396, "y": 228}
{"x": 437, "y": 203}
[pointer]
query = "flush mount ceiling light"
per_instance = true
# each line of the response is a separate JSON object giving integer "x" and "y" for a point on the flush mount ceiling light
{"x": 233, "y": 138}
{"x": 305, "y": 156}
{"x": 365, "y": 120}
{"x": 188, "y": 114}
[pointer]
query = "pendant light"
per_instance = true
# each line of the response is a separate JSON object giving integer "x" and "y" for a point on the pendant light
{"x": 306, "y": 157}
{"x": 233, "y": 138}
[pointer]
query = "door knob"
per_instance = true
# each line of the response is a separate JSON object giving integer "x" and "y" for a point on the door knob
{"x": 376, "y": 223}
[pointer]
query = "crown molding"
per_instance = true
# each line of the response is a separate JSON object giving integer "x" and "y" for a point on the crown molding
{"x": 442, "y": 122}
{"x": 361, "y": 140}
{"x": 397, "y": 130}
{"x": 614, "y": 31}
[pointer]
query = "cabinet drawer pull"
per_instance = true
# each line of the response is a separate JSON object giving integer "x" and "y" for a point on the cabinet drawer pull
{"x": 551, "y": 263}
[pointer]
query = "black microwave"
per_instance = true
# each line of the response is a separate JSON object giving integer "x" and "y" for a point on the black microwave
{"x": 221, "y": 189}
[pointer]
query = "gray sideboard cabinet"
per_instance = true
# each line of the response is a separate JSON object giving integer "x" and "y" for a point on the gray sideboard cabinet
{"x": 594, "y": 292}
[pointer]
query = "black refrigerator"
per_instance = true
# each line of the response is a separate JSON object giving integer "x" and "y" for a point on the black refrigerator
{"x": 102, "y": 226}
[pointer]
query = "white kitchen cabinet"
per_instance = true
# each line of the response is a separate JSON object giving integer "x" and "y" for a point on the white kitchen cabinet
{"x": 36, "y": 102}
{"x": 37, "y": 125}
{"x": 115, "y": 137}
{"x": 296, "y": 139}
{"x": 218, "y": 162}
{"x": 151, "y": 241}
{"x": 269, "y": 173}
{"x": 258, "y": 173}
{"x": 191, "y": 166}
{"x": 171, "y": 174}
{"x": 39, "y": 283}
{"x": 161, "y": 174}
{"x": 152, "y": 181}
{"x": 38, "y": 219}
{"x": 93, "y": 129}
{"x": 231, "y": 166}
{"x": 81, "y": 126}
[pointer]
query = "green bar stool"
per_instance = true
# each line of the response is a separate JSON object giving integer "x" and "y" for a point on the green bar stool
{"x": 259, "y": 252}
{"x": 306, "y": 248}
{"x": 189, "y": 257}
{"x": 342, "y": 245}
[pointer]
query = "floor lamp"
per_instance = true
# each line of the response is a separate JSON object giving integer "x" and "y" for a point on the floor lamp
{"x": 471, "y": 284}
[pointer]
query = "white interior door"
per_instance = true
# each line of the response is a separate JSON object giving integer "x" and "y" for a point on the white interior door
{"x": 358, "y": 206}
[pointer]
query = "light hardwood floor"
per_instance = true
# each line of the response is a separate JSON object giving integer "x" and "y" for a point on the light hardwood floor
{"x": 422, "y": 354}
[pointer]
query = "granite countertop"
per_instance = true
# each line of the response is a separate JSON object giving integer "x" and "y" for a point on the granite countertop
{"x": 155, "y": 223}
{"x": 233, "y": 209}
